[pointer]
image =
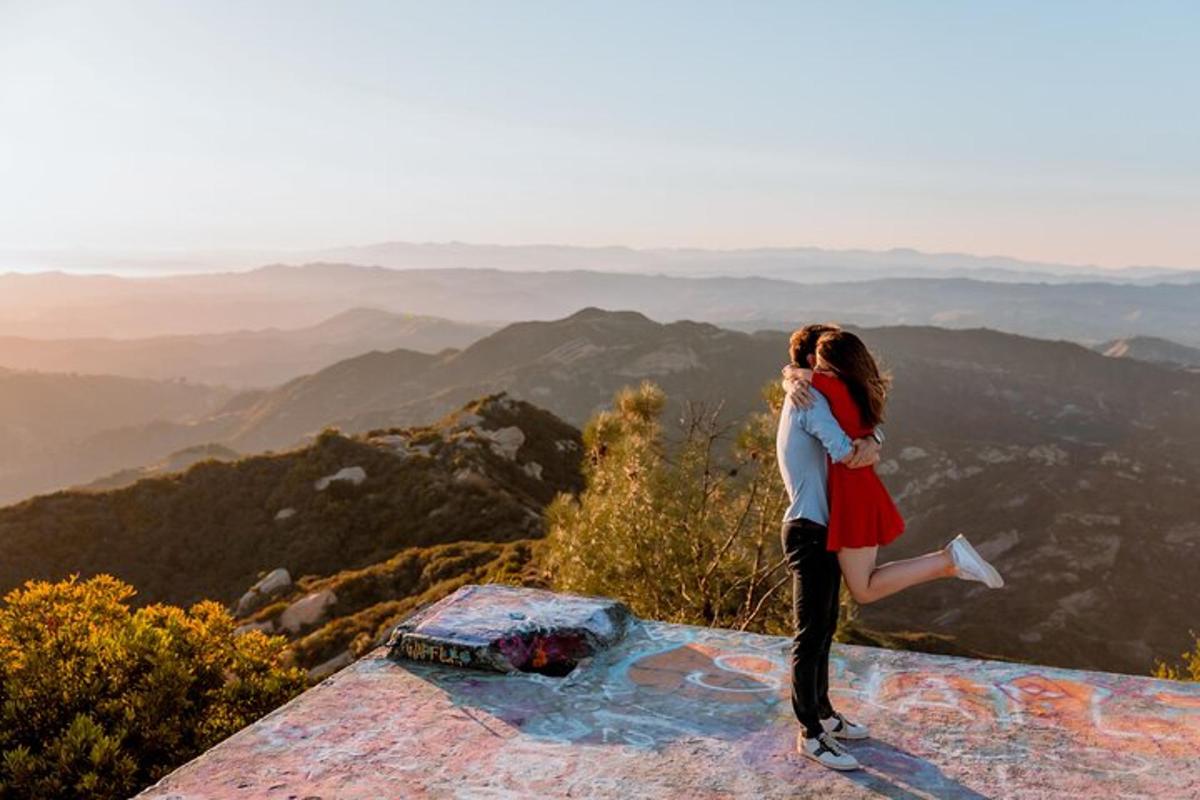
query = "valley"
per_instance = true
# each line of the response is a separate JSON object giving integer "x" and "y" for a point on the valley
{"x": 1074, "y": 471}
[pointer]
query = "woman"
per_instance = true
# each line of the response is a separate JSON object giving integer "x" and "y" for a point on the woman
{"x": 862, "y": 516}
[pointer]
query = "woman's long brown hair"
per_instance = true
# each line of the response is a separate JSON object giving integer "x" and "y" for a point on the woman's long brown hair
{"x": 850, "y": 360}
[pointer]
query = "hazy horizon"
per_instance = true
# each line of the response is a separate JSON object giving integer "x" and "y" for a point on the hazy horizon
{"x": 183, "y": 261}
{"x": 1052, "y": 134}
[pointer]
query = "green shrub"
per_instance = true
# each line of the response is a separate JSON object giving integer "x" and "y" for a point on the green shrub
{"x": 98, "y": 700}
{"x": 684, "y": 532}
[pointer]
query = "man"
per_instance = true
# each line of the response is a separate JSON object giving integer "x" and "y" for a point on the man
{"x": 807, "y": 432}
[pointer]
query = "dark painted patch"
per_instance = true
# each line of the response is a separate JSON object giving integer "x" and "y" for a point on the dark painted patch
{"x": 511, "y": 629}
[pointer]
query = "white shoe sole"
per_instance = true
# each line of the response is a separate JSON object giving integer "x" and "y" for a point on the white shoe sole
{"x": 977, "y": 564}
{"x": 851, "y": 737}
{"x": 817, "y": 759}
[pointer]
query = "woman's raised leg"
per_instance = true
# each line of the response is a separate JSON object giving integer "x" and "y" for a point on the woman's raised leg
{"x": 868, "y": 583}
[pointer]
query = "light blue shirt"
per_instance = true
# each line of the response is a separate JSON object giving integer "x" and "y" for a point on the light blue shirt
{"x": 805, "y": 435}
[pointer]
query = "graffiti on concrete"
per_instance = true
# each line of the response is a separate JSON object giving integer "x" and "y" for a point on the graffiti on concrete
{"x": 670, "y": 684}
{"x": 505, "y": 629}
{"x": 677, "y": 711}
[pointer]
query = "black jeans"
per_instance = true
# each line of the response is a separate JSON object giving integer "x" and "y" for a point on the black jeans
{"x": 816, "y": 580}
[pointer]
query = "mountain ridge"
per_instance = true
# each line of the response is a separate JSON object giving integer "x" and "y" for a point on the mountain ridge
{"x": 1152, "y": 349}
{"x": 286, "y": 296}
{"x": 217, "y": 546}
{"x": 1074, "y": 471}
{"x": 251, "y": 358}
{"x": 451, "y": 254}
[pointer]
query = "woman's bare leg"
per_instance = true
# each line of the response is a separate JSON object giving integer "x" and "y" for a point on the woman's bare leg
{"x": 868, "y": 583}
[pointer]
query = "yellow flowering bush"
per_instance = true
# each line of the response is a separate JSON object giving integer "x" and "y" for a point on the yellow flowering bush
{"x": 98, "y": 700}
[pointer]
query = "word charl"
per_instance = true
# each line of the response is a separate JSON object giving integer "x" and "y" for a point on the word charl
{"x": 434, "y": 651}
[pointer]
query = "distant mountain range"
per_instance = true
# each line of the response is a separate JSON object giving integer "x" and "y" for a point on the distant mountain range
{"x": 805, "y": 264}
{"x": 249, "y": 358}
{"x": 61, "y": 429}
{"x": 58, "y": 306}
{"x": 1075, "y": 471}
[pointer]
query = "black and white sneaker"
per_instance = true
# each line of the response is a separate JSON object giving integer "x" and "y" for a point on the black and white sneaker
{"x": 842, "y": 728}
{"x": 826, "y": 751}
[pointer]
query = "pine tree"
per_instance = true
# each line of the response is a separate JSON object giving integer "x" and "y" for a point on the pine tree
{"x": 684, "y": 531}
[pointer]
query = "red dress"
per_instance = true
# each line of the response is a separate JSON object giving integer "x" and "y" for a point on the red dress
{"x": 861, "y": 512}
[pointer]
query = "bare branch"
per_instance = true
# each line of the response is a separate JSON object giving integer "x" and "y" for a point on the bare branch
{"x": 762, "y": 602}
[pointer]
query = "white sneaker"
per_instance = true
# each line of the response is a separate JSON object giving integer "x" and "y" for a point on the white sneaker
{"x": 826, "y": 751}
{"x": 842, "y": 728}
{"x": 970, "y": 566}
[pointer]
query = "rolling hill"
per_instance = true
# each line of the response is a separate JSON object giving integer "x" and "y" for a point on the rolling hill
{"x": 95, "y": 421}
{"x": 55, "y": 305}
{"x": 379, "y": 519}
{"x": 242, "y": 359}
{"x": 1075, "y": 471}
{"x": 1154, "y": 350}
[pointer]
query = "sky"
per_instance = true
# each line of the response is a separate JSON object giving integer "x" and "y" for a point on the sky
{"x": 1063, "y": 132}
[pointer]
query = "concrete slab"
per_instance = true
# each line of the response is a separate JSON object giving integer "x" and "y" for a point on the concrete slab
{"x": 506, "y": 628}
{"x": 677, "y": 711}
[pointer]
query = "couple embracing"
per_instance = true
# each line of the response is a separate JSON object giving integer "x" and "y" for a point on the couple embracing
{"x": 839, "y": 515}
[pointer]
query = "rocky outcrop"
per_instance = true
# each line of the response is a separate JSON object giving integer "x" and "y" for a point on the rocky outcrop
{"x": 401, "y": 445}
{"x": 471, "y": 477}
{"x": 273, "y": 584}
{"x": 1049, "y": 454}
{"x": 670, "y": 359}
{"x": 266, "y": 626}
{"x": 352, "y": 475}
{"x": 307, "y": 611}
{"x": 507, "y": 441}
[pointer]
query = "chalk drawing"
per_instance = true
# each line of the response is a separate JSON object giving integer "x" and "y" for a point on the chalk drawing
{"x": 677, "y": 711}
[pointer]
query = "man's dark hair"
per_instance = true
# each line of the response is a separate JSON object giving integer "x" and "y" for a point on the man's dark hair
{"x": 804, "y": 341}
